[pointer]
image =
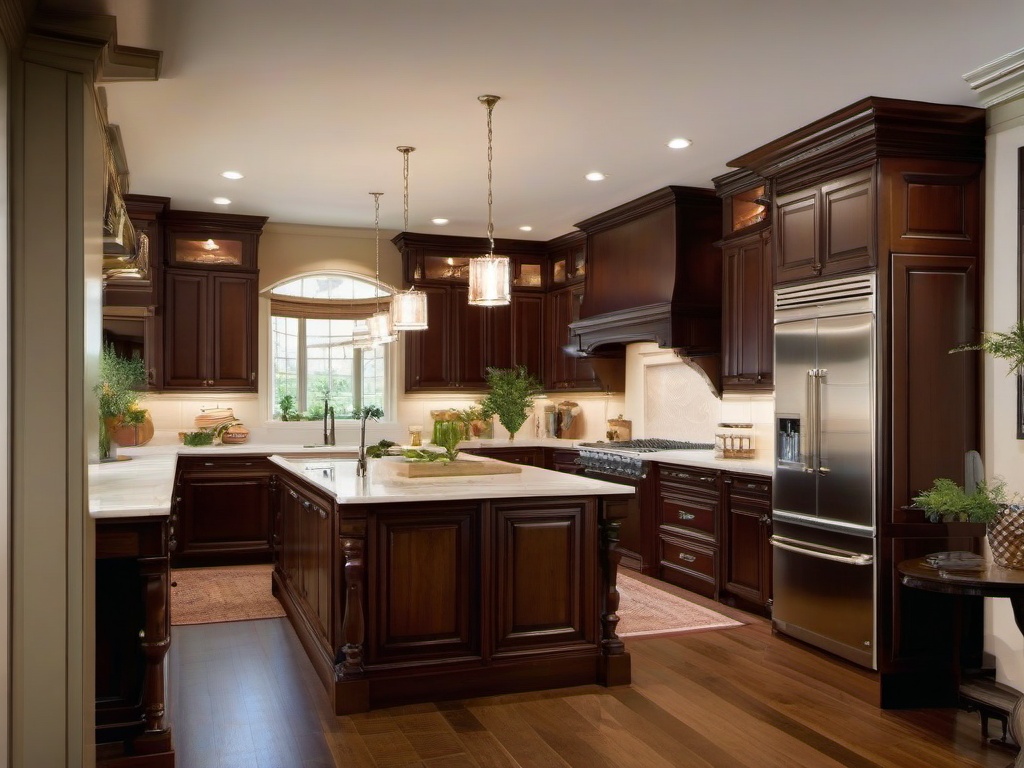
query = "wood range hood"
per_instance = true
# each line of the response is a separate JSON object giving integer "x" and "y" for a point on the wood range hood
{"x": 654, "y": 273}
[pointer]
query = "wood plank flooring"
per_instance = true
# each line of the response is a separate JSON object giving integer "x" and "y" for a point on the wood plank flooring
{"x": 244, "y": 694}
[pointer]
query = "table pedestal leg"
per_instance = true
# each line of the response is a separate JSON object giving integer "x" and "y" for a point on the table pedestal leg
{"x": 1017, "y": 716}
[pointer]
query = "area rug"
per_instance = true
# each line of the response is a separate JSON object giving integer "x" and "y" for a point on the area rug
{"x": 645, "y": 609}
{"x": 209, "y": 595}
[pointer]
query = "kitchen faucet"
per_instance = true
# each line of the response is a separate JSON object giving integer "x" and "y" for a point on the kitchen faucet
{"x": 328, "y": 437}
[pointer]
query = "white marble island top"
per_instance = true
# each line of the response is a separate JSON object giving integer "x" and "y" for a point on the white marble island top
{"x": 337, "y": 477}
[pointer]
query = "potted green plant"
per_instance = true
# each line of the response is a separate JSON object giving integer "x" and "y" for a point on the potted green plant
{"x": 118, "y": 396}
{"x": 1007, "y": 346}
{"x": 510, "y": 397}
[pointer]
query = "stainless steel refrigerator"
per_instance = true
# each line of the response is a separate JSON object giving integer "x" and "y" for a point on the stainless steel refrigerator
{"x": 824, "y": 523}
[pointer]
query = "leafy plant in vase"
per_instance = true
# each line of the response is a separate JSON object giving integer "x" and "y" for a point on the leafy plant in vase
{"x": 510, "y": 397}
{"x": 118, "y": 396}
{"x": 1007, "y": 346}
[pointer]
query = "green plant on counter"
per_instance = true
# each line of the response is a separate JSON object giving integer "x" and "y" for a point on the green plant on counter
{"x": 448, "y": 435}
{"x": 117, "y": 392}
{"x": 423, "y": 454}
{"x": 198, "y": 439}
{"x": 947, "y": 502}
{"x": 381, "y": 449}
{"x": 1007, "y": 346}
{"x": 511, "y": 396}
{"x": 287, "y": 407}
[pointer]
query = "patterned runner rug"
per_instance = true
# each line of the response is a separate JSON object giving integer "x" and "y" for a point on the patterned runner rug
{"x": 242, "y": 593}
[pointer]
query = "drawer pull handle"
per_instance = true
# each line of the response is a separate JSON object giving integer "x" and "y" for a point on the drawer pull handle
{"x": 686, "y": 516}
{"x": 293, "y": 494}
{"x": 208, "y": 464}
{"x": 707, "y": 479}
{"x": 686, "y": 558}
{"x": 306, "y": 504}
{"x": 323, "y": 514}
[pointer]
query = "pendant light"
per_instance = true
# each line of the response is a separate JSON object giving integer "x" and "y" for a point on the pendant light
{"x": 490, "y": 275}
{"x": 379, "y": 322}
{"x": 408, "y": 308}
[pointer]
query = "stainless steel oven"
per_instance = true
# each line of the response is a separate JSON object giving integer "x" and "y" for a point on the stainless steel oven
{"x": 623, "y": 462}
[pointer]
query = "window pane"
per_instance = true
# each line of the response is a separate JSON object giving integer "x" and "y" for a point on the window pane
{"x": 284, "y": 333}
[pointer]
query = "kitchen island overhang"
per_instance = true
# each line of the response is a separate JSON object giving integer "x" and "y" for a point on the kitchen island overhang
{"x": 425, "y": 590}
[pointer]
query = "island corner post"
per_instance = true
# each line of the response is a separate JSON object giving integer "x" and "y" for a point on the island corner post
{"x": 398, "y": 603}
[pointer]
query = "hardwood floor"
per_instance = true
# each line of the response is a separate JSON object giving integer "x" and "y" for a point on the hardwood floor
{"x": 244, "y": 694}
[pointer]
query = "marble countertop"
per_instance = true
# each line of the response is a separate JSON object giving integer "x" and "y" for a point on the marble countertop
{"x": 337, "y": 477}
{"x": 143, "y": 485}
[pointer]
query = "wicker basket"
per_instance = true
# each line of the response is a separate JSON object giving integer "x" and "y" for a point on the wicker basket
{"x": 1006, "y": 537}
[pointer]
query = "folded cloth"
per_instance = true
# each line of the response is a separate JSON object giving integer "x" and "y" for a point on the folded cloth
{"x": 956, "y": 561}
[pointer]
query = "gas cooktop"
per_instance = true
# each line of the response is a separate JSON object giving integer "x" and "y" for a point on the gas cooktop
{"x": 646, "y": 445}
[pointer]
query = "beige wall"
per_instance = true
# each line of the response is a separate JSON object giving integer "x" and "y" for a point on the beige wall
{"x": 1003, "y": 453}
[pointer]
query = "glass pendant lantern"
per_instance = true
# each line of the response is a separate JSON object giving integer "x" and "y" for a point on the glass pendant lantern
{"x": 379, "y": 323}
{"x": 408, "y": 308}
{"x": 490, "y": 276}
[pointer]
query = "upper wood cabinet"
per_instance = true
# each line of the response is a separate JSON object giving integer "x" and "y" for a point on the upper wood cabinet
{"x": 747, "y": 312}
{"x": 137, "y": 283}
{"x": 444, "y": 260}
{"x": 567, "y": 259}
{"x": 564, "y": 370}
{"x": 209, "y": 313}
{"x": 826, "y": 230}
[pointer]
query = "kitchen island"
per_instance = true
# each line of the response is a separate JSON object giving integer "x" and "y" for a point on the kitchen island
{"x": 407, "y": 590}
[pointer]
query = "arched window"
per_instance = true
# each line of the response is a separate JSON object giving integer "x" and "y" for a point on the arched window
{"x": 313, "y": 360}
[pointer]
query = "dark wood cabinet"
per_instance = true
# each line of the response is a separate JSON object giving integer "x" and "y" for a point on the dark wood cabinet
{"x": 746, "y": 529}
{"x": 826, "y": 230}
{"x": 689, "y": 503}
{"x": 209, "y": 312}
{"x": 567, "y": 259}
{"x": 462, "y": 341}
{"x": 531, "y": 456}
{"x": 221, "y": 513}
{"x": 210, "y": 334}
{"x": 132, "y": 639}
{"x": 306, "y": 551}
{"x": 565, "y": 370}
{"x": 747, "y": 312}
{"x": 562, "y": 460}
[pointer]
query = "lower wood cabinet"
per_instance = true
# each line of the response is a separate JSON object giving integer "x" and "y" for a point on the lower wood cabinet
{"x": 221, "y": 511}
{"x": 747, "y": 503}
{"x": 689, "y": 500}
{"x": 306, "y": 552}
{"x": 562, "y": 460}
{"x": 531, "y": 456}
{"x": 132, "y": 639}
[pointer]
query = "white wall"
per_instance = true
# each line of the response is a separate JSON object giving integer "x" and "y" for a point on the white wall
{"x": 1003, "y": 453}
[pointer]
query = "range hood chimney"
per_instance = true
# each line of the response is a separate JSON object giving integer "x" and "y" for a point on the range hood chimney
{"x": 654, "y": 274}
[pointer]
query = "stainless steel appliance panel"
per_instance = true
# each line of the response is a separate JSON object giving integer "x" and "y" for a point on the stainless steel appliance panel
{"x": 824, "y": 590}
{"x": 794, "y": 486}
{"x": 845, "y": 420}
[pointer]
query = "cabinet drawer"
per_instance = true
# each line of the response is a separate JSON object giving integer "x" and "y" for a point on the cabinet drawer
{"x": 689, "y": 478}
{"x": 689, "y": 565}
{"x": 696, "y": 513}
{"x": 750, "y": 487}
{"x": 222, "y": 463}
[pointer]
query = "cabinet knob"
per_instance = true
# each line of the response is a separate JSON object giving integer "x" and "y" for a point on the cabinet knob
{"x": 306, "y": 504}
{"x": 686, "y": 516}
{"x": 323, "y": 514}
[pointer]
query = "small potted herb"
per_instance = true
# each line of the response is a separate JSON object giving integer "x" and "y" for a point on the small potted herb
{"x": 117, "y": 395}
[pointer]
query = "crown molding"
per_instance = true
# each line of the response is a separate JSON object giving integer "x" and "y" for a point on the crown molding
{"x": 88, "y": 43}
{"x": 999, "y": 81}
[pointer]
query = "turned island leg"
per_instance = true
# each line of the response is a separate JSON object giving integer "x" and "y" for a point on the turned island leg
{"x": 156, "y": 639}
{"x": 352, "y": 692}
{"x": 615, "y": 668}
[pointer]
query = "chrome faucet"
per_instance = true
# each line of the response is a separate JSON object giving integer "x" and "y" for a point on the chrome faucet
{"x": 328, "y": 436}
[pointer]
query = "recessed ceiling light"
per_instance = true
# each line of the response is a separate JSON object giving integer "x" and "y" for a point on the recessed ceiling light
{"x": 221, "y": 201}
{"x": 595, "y": 176}
{"x": 440, "y": 222}
{"x": 526, "y": 229}
{"x": 679, "y": 143}
{"x": 234, "y": 175}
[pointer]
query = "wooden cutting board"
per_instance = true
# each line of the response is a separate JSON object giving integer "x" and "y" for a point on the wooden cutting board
{"x": 455, "y": 468}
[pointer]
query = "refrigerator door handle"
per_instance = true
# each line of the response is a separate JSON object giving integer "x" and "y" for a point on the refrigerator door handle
{"x": 821, "y": 552}
{"x": 812, "y": 421}
{"x": 819, "y": 376}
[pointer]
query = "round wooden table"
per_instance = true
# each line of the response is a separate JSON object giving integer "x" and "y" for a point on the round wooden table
{"x": 994, "y": 581}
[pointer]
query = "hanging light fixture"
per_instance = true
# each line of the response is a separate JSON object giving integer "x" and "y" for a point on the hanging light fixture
{"x": 408, "y": 308}
{"x": 379, "y": 323}
{"x": 490, "y": 275}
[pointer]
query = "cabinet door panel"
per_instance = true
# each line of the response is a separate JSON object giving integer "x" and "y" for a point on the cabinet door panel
{"x": 222, "y": 515}
{"x": 419, "y": 616}
{"x": 796, "y": 235}
{"x": 745, "y": 560}
{"x": 469, "y": 364}
{"x": 527, "y": 333}
{"x": 848, "y": 207}
{"x": 428, "y": 352}
{"x": 747, "y": 315}
{"x": 232, "y": 356}
{"x": 540, "y": 595}
{"x": 185, "y": 320}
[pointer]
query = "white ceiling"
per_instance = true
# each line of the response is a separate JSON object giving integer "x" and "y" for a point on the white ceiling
{"x": 310, "y": 98}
